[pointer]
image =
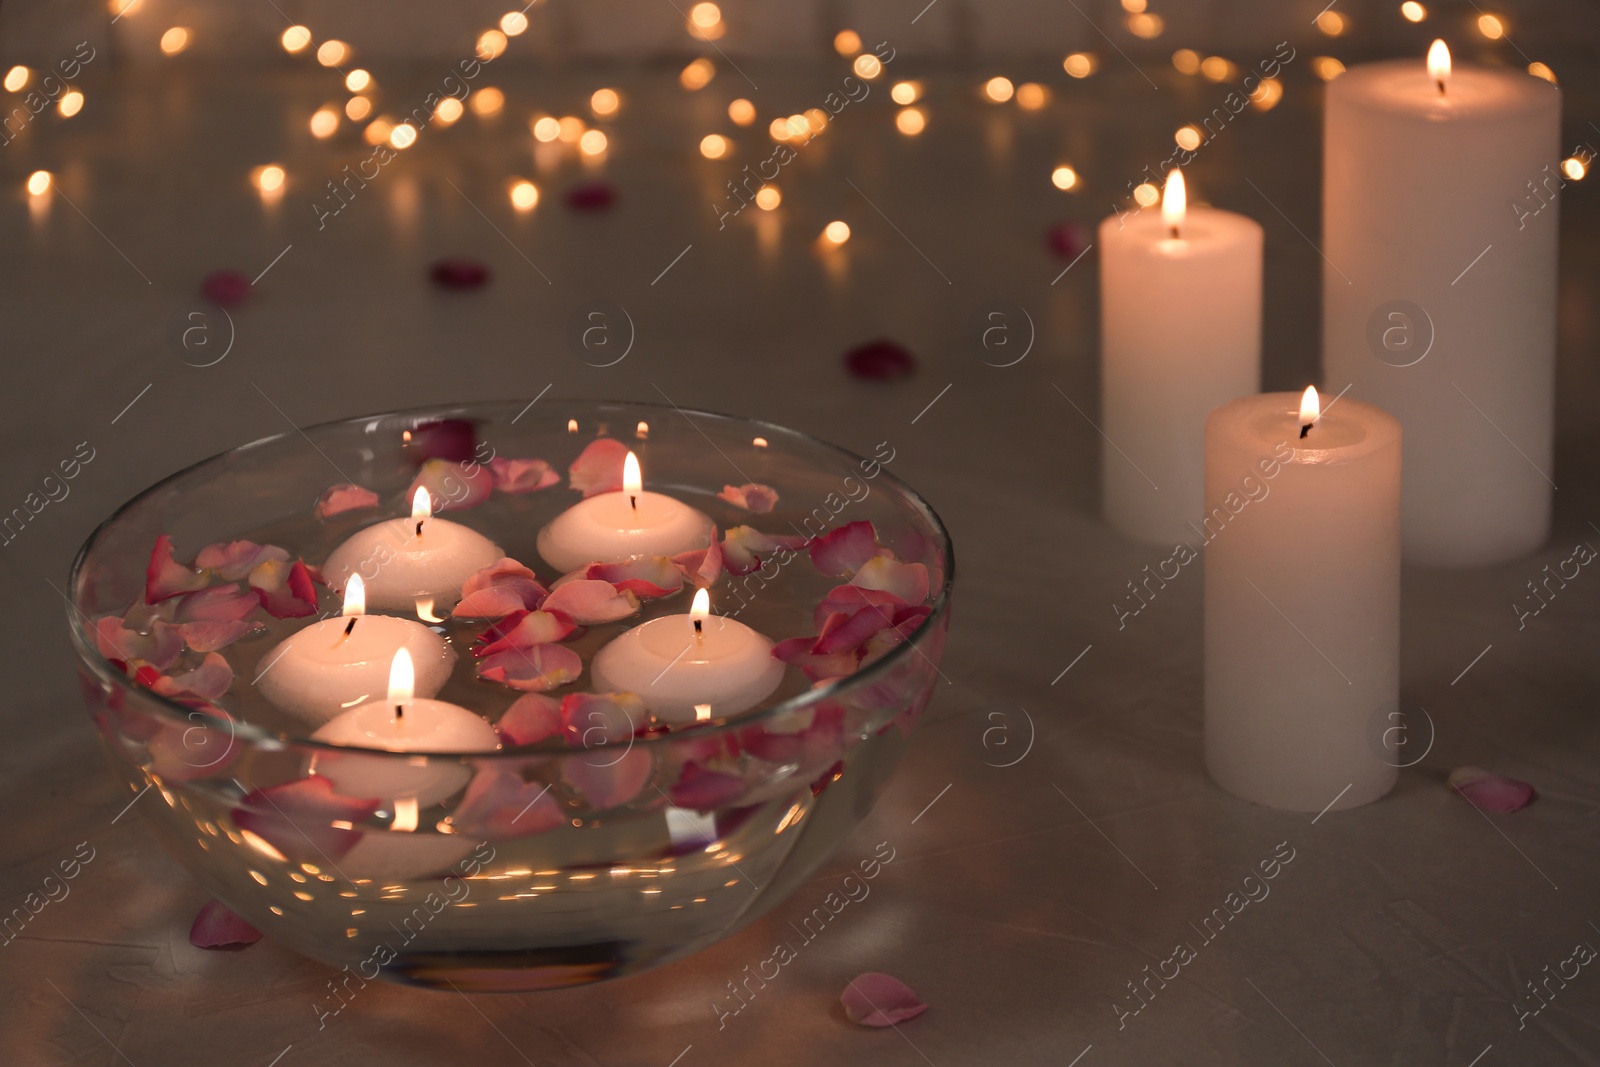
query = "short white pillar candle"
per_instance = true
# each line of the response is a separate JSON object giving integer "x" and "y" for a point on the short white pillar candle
{"x": 615, "y": 527}
{"x": 404, "y": 560}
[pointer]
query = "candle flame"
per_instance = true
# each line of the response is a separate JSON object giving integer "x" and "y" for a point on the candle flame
{"x": 1174, "y": 201}
{"x": 421, "y": 505}
{"x": 642, "y": 431}
{"x": 402, "y": 678}
{"x": 632, "y": 477}
{"x": 701, "y": 607}
{"x": 1310, "y": 406}
{"x": 572, "y": 425}
{"x": 1439, "y": 63}
{"x": 355, "y": 596}
{"x": 702, "y": 712}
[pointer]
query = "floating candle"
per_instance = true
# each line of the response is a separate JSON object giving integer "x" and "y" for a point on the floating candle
{"x": 615, "y": 527}
{"x": 404, "y": 559}
{"x": 402, "y": 723}
{"x": 335, "y": 664}
{"x": 687, "y": 668}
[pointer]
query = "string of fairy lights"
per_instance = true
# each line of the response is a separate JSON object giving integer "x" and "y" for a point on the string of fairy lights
{"x": 704, "y": 22}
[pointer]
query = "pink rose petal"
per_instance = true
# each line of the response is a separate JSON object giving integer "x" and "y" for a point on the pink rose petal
{"x": 875, "y": 999}
{"x": 217, "y": 603}
{"x": 227, "y": 288}
{"x": 842, "y": 552}
{"x": 285, "y": 589}
{"x": 232, "y": 560}
{"x": 338, "y": 499}
{"x": 797, "y": 651}
{"x": 532, "y": 717}
{"x": 306, "y": 820}
{"x": 702, "y": 789}
{"x": 850, "y": 599}
{"x": 908, "y": 581}
{"x": 499, "y": 589}
{"x": 608, "y": 779}
{"x": 499, "y": 805}
{"x": 489, "y": 603}
{"x": 650, "y": 576}
{"x": 701, "y": 566}
{"x": 532, "y": 670}
{"x": 744, "y": 548}
{"x": 1491, "y": 792}
{"x": 589, "y": 603}
{"x": 454, "y": 272}
{"x": 212, "y": 636}
{"x": 598, "y": 468}
{"x": 160, "y": 647}
{"x": 165, "y": 577}
{"x": 208, "y": 681}
{"x": 752, "y": 497}
{"x": 452, "y": 485}
{"x": 522, "y": 475}
{"x": 590, "y": 720}
{"x": 523, "y": 629}
{"x": 880, "y": 361}
{"x": 216, "y": 927}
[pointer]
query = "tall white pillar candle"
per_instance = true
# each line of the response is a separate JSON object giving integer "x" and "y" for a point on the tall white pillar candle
{"x": 1180, "y": 323}
{"x": 1439, "y": 289}
{"x": 1302, "y": 601}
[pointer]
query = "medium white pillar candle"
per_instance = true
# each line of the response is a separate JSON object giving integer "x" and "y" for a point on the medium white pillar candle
{"x": 1180, "y": 322}
{"x": 1439, "y": 290}
{"x": 615, "y": 527}
{"x": 335, "y": 664}
{"x": 1302, "y": 601}
{"x": 689, "y": 667}
{"x": 402, "y": 723}
{"x": 404, "y": 560}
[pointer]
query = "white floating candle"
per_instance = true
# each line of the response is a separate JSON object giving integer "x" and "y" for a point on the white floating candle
{"x": 1302, "y": 600}
{"x": 688, "y": 667}
{"x": 335, "y": 664}
{"x": 1180, "y": 312}
{"x": 402, "y": 560}
{"x": 1439, "y": 290}
{"x": 402, "y": 723}
{"x": 615, "y": 527}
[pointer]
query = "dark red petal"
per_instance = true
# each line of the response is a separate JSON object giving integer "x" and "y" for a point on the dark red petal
{"x": 457, "y": 273}
{"x": 1490, "y": 791}
{"x": 875, "y": 999}
{"x": 1068, "y": 239}
{"x": 592, "y": 196}
{"x": 880, "y": 361}
{"x": 452, "y": 439}
{"x": 226, "y": 288}
{"x": 701, "y": 789}
{"x": 452, "y": 484}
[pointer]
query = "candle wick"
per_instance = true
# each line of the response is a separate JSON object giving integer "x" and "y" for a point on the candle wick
{"x": 699, "y": 632}
{"x": 1174, "y": 231}
{"x": 399, "y": 711}
{"x": 351, "y": 625}
{"x": 419, "y": 526}
{"x": 1305, "y": 430}
{"x": 1440, "y": 83}
{"x": 633, "y": 500}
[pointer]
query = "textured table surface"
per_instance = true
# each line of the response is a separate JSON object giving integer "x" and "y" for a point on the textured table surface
{"x": 1054, "y": 832}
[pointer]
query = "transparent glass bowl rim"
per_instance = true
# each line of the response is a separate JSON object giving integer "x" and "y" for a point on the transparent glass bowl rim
{"x": 189, "y": 717}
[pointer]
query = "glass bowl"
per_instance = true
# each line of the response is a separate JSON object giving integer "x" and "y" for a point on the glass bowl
{"x": 589, "y": 855}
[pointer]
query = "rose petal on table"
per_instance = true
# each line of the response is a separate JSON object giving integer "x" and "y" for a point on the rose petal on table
{"x": 701, "y": 566}
{"x": 1490, "y": 791}
{"x": 744, "y": 548}
{"x": 160, "y": 647}
{"x": 226, "y": 288}
{"x": 875, "y": 999}
{"x": 523, "y": 629}
{"x": 285, "y": 589}
{"x": 452, "y": 485}
{"x": 305, "y": 818}
{"x": 338, "y": 499}
{"x": 456, "y": 272}
{"x": 908, "y": 581}
{"x": 532, "y": 717}
{"x": 589, "y": 720}
{"x": 645, "y": 576}
{"x": 165, "y": 577}
{"x": 522, "y": 475}
{"x": 217, "y": 603}
{"x": 588, "y": 602}
{"x": 699, "y": 788}
{"x": 210, "y": 636}
{"x": 499, "y": 805}
{"x": 1068, "y": 238}
{"x": 232, "y": 560}
{"x": 841, "y": 553}
{"x": 605, "y": 778}
{"x": 216, "y": 927}
{"x": 208, "y": 681}
{"x": 532, "y": 670}
{"x": 751, "y": 496}
{"x": 797, "y": 651}
{"x": 880, "y": 361}
{"x": 592, "y": 196}
{"x": 598, "y": 468}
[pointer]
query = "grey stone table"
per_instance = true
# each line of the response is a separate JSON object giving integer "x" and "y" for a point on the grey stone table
{"x": 1053, "y": 830}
